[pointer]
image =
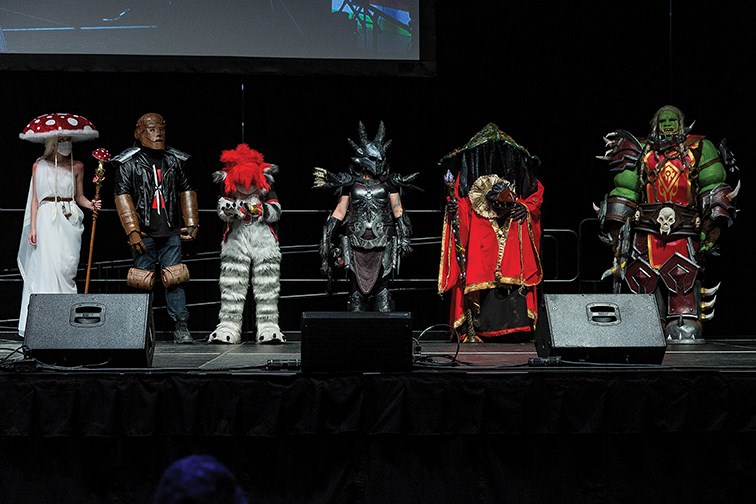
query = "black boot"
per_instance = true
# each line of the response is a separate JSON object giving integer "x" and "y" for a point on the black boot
{"x": 381, "y": 301}
{"x": 357, "y": 302}
{"x": 181, "y": 334}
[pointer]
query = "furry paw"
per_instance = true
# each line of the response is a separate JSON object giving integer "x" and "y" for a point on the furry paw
{"x": 225, "y": 334}
{"x": 270, "y": 337}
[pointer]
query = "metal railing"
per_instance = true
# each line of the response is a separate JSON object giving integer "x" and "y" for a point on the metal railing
{"x": 560, "y": 258}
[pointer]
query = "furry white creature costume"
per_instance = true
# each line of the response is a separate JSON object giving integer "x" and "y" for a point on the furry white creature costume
{"x": 250, "y": 246}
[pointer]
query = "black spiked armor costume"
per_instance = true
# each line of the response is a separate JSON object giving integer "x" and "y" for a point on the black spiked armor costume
{"x": 368, "y": 232}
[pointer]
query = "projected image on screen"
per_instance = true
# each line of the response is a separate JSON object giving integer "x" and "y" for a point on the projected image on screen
{"x": 383, "y": 29}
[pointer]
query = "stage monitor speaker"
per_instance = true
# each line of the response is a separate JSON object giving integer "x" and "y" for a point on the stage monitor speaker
{"x": 356, "y": 342}
{"x": 601, "y": 328}
{"x": 111, "y": 330}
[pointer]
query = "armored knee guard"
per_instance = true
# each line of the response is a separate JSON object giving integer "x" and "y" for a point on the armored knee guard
{"x": 140, "y": 279}
{"x": 174, "y": 275}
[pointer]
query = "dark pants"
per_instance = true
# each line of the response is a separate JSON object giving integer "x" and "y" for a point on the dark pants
{"x": 164, "y": 252}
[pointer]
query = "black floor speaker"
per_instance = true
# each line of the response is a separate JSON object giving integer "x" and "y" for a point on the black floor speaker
{"x": 109, "y": 330}
{"x": 602, "y": 328}
{"x": 356, "y": 342}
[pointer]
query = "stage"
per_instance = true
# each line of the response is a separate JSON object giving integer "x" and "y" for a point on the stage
{"x": 434, "y": 355}
{"x": 723, "y": 355}
{"x": 469, "y": 423}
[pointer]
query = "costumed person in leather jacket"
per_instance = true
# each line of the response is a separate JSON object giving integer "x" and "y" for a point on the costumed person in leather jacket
{"x": 670, "y": 202}
{"x": 368, "y": 232}
{"x": 158, "y": 209}
{"x": 249, "y": 206}
{"x": 491, "y": 238}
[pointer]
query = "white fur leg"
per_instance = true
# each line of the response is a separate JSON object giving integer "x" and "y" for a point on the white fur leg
{"x": 256, "y": 245}
{"x": 266, "y": 288}
{"x": 226, "y": 332}
{"x": 233, "y": 283}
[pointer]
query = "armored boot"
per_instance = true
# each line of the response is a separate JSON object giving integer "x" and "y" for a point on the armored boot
{"x": 357, "y": 302}
{"x": 181, "y": 334}
{"x": 684, "y": 330}
{"x": 381, "y": 301}
{"x": 683, "y": 300}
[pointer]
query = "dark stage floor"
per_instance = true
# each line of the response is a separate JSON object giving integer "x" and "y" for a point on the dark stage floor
{"x": 489, "y": 357}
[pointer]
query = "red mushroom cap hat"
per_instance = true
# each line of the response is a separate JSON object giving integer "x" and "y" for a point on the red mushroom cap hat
{"x": 45, "y": 126}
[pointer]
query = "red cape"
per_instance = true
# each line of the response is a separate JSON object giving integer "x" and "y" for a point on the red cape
{"x": 479, "y": 248}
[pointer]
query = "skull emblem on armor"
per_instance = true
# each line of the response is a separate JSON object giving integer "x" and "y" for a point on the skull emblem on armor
{"x": 666, "y": 220}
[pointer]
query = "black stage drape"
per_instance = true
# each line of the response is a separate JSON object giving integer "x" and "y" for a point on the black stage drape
{"x": 416, "y": 404}
{"x": 536, "y": 436}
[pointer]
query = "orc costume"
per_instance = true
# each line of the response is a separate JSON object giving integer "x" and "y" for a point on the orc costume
{"x": 491, "y": 238}
{"x": 250, "y": 208}
{"x": 671, "y": 200}
{"x": 375, "y": 232}
{"x": 152, "y": 196}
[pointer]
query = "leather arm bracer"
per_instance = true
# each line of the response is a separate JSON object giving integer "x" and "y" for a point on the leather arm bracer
{"x": 190, "y": 212}
{"x": 130, "y": 221}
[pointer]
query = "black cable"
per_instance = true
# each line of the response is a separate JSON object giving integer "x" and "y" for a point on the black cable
{"x": 23, "y": 349}
{"x": 24, "y": 364}
{"x": 428, "y": 360}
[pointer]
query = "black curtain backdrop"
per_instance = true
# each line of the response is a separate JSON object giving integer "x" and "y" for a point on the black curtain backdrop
{"x": 633, "y": 436}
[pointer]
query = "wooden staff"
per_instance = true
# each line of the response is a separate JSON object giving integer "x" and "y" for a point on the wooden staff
{"x": 101, "y": 155}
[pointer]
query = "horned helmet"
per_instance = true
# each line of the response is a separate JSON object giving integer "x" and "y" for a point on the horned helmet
{"x": 371, "y": 154}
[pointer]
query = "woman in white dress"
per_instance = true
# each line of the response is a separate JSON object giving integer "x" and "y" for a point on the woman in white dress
{"x": 48, "y": 256}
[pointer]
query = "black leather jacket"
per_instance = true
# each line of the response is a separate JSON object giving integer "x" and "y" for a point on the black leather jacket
{"x": 134, "y": 177}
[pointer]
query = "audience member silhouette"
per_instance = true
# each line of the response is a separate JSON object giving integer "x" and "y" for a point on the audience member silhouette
{"x": 198, "y": 479}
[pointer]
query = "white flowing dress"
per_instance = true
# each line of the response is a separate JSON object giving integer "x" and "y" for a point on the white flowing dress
{"x": 51, "y": 266}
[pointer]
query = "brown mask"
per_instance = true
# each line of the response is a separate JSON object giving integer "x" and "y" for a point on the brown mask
{"x": 150, "y": 131}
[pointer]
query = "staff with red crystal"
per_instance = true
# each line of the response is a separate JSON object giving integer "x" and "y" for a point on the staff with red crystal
{"x": 102, "y": 156}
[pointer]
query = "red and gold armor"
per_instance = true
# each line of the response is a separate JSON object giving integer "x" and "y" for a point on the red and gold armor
{"x": 669, "y": 203}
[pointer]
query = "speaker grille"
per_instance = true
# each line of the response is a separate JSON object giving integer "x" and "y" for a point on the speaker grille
{"x": 100, "y": 329}
{"x": 620, "y": 328}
